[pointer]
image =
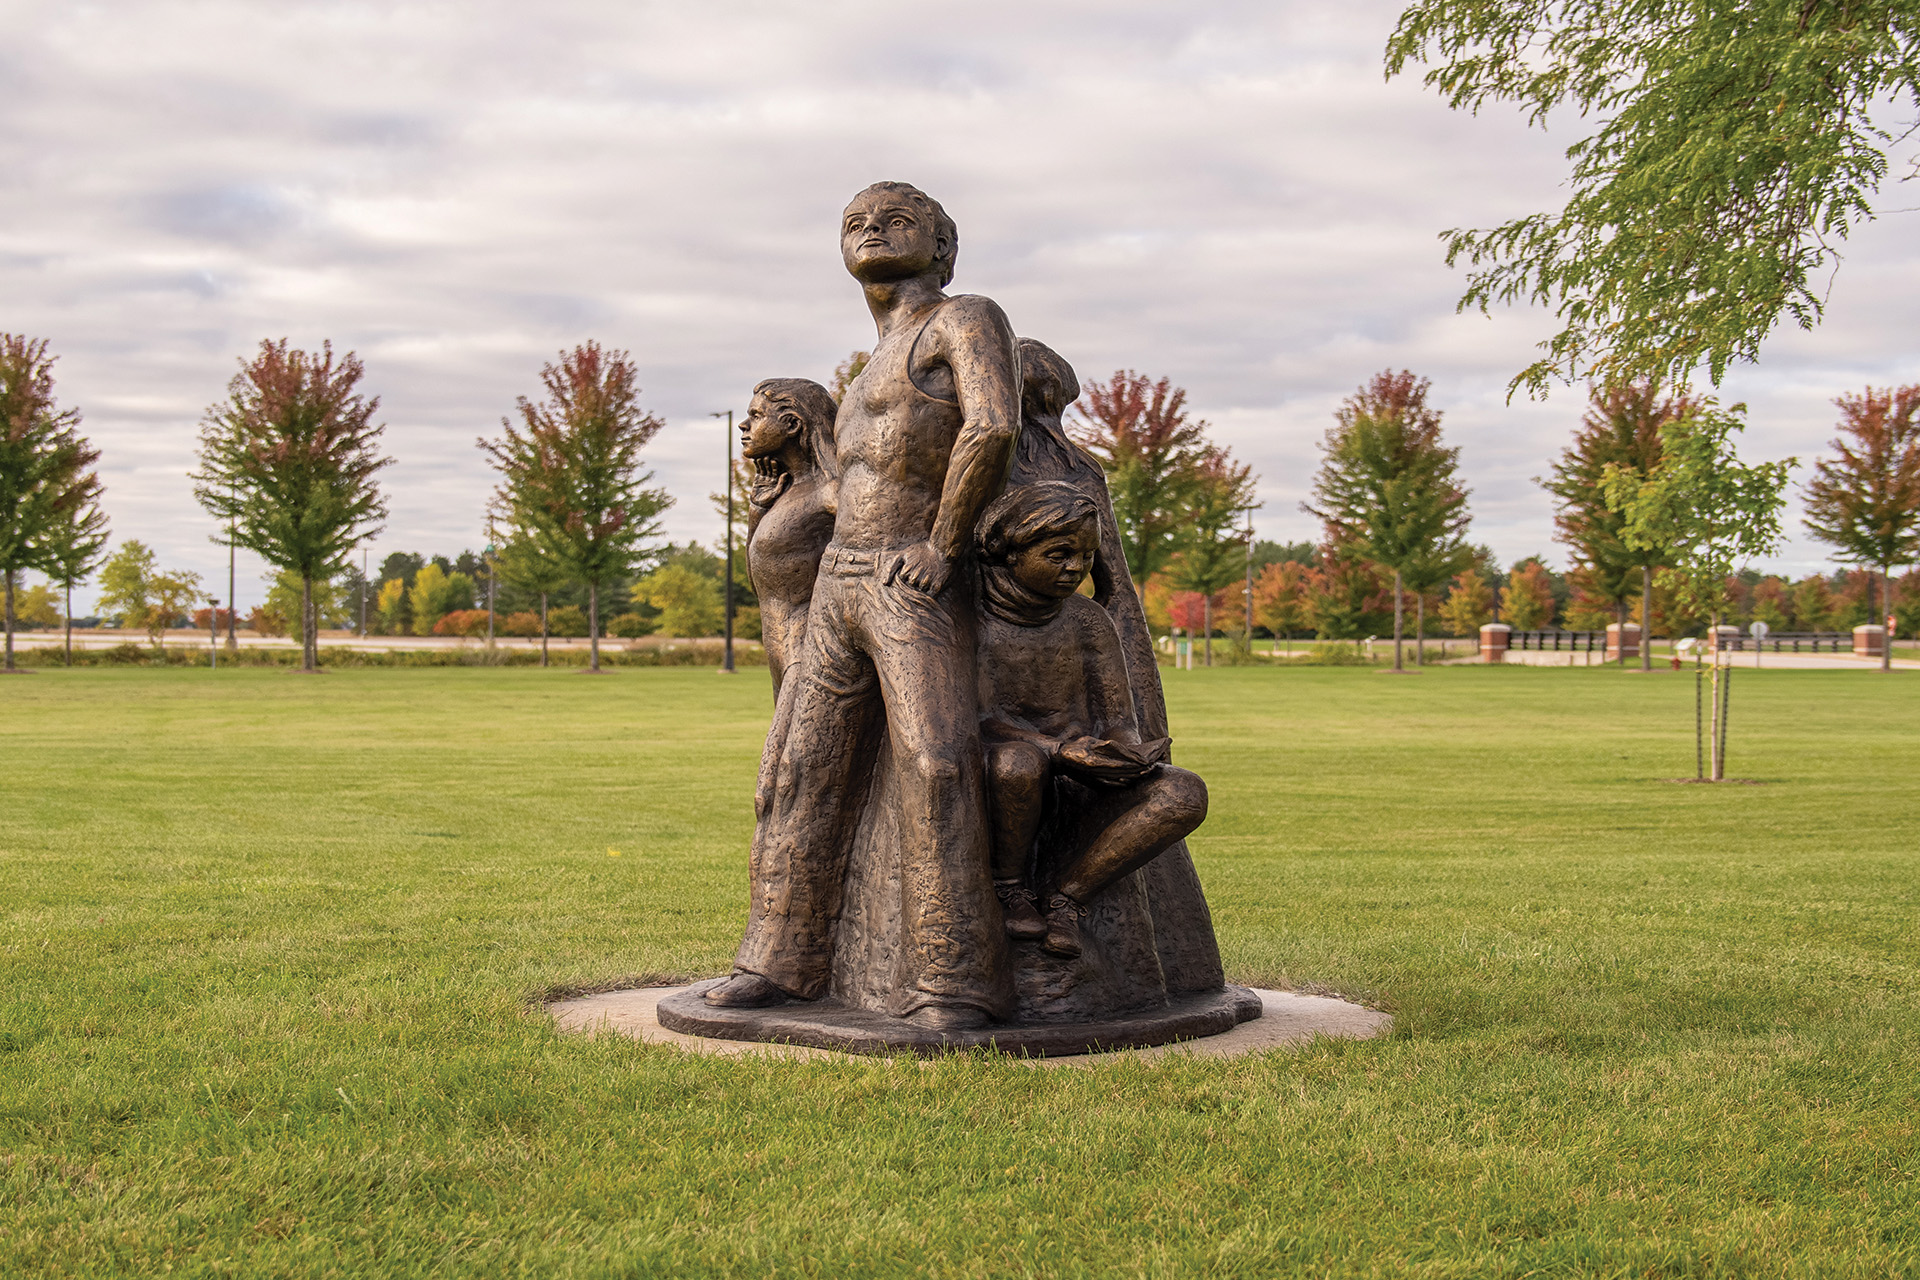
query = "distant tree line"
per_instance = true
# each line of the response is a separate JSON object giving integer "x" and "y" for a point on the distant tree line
{"x": 290, "y": 460}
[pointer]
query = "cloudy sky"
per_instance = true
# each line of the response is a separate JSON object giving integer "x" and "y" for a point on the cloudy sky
{"x": 1224, "y": 193}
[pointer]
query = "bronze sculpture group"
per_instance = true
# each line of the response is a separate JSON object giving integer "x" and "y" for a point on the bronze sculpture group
{"x": 968, "y": 829}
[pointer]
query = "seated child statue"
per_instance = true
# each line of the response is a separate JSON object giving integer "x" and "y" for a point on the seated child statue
{"x": 1056, "y": 704}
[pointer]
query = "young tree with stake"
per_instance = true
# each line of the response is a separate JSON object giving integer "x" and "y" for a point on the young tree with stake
{"x": 1212, "y": 552}
{"x": 289, "y": 461}
{"x": 74, "y": 549}
{"x": 570, "y": 472}
{"x": 1390, "y": 489}
{"x": 1712, "y": 513}
{"x": 1865, "y": 501}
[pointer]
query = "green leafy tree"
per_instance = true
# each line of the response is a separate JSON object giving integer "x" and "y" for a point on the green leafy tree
{"x": 689, "y": 602}
{"x": 525, "y": 567}
{"x": 1865, "y": 500}
{"x": 1392, "y": 490}
{"x": 287, "y": 595}
{"x": 49, "y": 490}
{"x": 1154, "y": 457}
{"x": 289, "y": 462}
{"x": 1736, "y": 148}
{"x": 431, "y": 597}
{"x": 845, "y": 372}
{"x": 138, "y": 594}
{"x": 74, "y": 548}
{"x": 1712, "y": 512}
{"x": 570, "y": 472}
{"x": 1213, "y": 553}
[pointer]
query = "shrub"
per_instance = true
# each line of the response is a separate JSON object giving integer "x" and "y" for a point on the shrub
{"x": 630, "y": 626}
{"x": 567, "y": 621}
{"x": 471, "y": 623}
{"x": 521, "y": 624}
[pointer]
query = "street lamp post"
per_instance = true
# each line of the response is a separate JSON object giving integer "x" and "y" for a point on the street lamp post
{"x": 726, "y": 661}
{"x": 1249, "y": 590}
{"x": 233, "y": 637}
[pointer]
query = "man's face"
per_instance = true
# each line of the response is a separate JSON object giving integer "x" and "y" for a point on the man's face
{"x": 1055, "y": 566}
{"x": 884, "y": 237}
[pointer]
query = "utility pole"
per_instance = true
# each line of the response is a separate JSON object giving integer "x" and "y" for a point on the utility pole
{"x": 233, "y": 636}
{"x": 492, "y": 574}
{"x": 363, "y": 593}
{"x": 726, "y": 661}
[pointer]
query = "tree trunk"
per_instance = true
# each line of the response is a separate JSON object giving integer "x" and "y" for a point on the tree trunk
{"x": 308, "y": 655}
{"x": 1398, "y": 613}
{"x": 543, "y": 628}
{"x": 1620, "y": 620}
{"x": 1419, "y": 628}
{"x": 1646, "y": 617}
{"x": 1206, "y": 620}
{"x": 1726, "y": 703}
{"x": 593, "y": 626}
{"x": 69, "y": 622}
{"x": 9, "y": 612}
{"x": 1886, "y": 617}
{"x": 1699, "y": 743}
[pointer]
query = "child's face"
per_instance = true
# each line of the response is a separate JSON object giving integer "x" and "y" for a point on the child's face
{"x": 1055, "y": 566}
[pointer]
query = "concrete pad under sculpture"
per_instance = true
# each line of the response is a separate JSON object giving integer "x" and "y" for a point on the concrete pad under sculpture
{"x": 1287, "y": 1020}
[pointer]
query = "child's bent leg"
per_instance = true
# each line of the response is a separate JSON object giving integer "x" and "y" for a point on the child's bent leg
{"x": 1164, "y": 808}
{"x": 1017, "y": 776}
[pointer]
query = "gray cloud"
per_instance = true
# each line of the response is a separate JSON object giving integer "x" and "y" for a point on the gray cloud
{"x": 1224, "y": 193}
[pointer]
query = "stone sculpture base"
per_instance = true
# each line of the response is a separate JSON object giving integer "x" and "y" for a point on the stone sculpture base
{"x": 828, "y": 1024}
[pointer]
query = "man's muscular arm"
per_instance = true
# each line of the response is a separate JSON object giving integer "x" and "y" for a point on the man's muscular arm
{"x": 978, "y": 344}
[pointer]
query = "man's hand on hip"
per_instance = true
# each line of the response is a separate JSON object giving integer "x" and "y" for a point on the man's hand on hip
{"x": 921, "y": 568}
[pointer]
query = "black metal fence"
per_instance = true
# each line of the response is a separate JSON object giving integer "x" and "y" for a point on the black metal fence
{"x": 1559, "y": 641}
{"x": 1788, "y": 642}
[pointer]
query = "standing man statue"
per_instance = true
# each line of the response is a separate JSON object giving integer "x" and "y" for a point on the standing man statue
{"x": 924, "y": 437}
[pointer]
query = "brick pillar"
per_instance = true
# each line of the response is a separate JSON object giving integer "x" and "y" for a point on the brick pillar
{"x": 1869, "y": 641}
{"x": 1493, "y": 641}
{"x": 1623, "y": 642}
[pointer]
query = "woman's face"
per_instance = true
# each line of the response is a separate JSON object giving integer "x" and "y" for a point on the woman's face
{"x": 767, "y": 428}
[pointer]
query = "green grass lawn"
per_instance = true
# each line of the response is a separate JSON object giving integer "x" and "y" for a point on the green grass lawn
{"x": 270, "y": 947}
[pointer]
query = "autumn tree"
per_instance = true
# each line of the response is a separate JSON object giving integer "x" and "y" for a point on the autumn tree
{"x": 1154, "y": 456}
{"x": 1526, "y": 602}
{"x": 49, "y": 490}
{"x": 1865, "y": 500}
{"x": 570, "y": 475}
{"x": 1469, "y": 604}
{"x": 1712, "y": 512}
{"x": 1621, "y": 428}
{"x": 1390, "y": 488}
{"x": 1736, "y": 146}
{"x": 1280, "y": 601}
{"x": 289, "y": 462}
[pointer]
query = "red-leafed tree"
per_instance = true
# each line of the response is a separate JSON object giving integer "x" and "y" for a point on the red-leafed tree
{"x": 289, "y": 463}
{"x": 570, "y": 475}
{"x": 1865, "y": 500}
{"x": 1154, "y": 455}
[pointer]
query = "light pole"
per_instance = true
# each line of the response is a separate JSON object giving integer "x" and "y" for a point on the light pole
{"x": 1249, "y": 596}
{"x": 726, "y": 661}
{"x": 233, "y": 637}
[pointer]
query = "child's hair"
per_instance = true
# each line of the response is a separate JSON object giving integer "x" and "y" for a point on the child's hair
{"x": 1024, "y": 515}
{"x": 813, "y": 404}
